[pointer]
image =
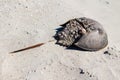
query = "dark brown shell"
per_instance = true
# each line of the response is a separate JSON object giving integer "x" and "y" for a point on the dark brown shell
{"x": 83, "y": 32}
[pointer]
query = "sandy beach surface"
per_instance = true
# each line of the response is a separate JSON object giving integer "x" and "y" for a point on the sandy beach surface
{"x": 27, "y": 22}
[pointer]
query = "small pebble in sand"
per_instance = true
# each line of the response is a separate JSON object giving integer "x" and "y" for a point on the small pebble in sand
{"x": 107, "y": 52}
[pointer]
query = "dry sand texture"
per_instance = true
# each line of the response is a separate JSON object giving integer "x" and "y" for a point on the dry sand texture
{"x": 27, "y": 22}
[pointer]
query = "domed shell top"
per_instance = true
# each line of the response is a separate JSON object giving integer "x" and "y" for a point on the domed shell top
{"x": 95, "y": 37}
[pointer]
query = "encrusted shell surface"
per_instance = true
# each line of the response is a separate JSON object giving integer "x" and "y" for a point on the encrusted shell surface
{"x": 84, "y": 33}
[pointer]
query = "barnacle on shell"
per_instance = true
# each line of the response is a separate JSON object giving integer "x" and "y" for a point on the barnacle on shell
{"x": 84, "y": 33}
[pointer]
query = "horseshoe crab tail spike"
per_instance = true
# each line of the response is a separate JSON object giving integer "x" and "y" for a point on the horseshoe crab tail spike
{"x": 30, "y": 47}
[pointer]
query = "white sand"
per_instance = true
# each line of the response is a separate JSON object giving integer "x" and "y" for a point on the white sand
{"x": 27, "y": 22}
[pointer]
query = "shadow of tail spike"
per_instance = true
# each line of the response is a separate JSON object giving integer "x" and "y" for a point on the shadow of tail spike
{"x": 30, "y": 47}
